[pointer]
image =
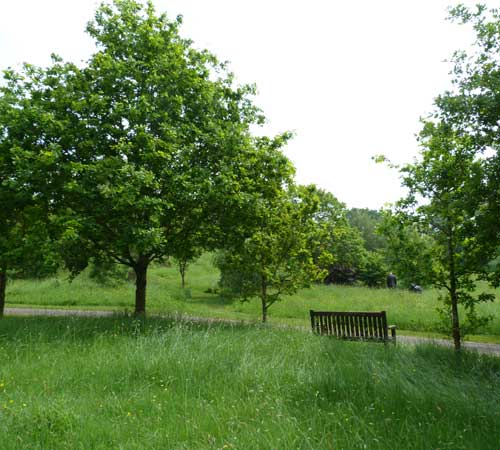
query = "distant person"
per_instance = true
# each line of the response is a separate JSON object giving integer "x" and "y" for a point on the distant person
{"x": 392, "y": 281}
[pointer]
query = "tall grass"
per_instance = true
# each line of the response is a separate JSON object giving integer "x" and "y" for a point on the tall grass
{"x": 120, "y": 383}
{"x": 409, "y": 311}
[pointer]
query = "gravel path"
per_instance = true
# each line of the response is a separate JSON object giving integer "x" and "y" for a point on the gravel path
{"x": 491, "y": 349}
{"x": 57, "y": 312}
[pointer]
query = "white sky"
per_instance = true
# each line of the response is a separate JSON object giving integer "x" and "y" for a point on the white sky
{"x": 350, "y": 78}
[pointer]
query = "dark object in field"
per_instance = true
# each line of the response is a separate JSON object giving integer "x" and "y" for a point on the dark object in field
{"x": 338, "y": 274}
{"x": 416, "y": 288}
{"x": 362, "y": 326}
{"x": 392, "y": 281}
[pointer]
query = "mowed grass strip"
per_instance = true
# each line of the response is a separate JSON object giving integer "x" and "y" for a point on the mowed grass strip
{"x": 410, "y": 312}
{"x": 122, "y": 383}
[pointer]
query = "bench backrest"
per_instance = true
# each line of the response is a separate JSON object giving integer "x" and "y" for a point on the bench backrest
{"x": 350, "y": 325}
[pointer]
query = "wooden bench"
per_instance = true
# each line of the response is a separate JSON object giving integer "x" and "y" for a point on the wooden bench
{"x": 365, "y": 326}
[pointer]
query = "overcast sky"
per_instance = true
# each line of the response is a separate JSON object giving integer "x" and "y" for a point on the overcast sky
{"x": 351, "y": 79}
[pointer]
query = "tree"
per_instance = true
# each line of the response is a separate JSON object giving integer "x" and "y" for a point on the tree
{"x": 10, "y": 214}
{"x": 373, "y": 271}
{"x": 26, "y": 247}
{"x": 461, "y": 161}
{"x": 27, "y": 232}
{"x": 149, "y": 133}
{"x": 351, "y": 239}
{"x": 275, "y": 259}
{"x": 408, "y": 250}
{"x": 184, "y": 256}
{"x": 340, "y": 248}
{"x": 471, "y": 109}
{"x": 441, "y": 207}
{"x": 367, "y": 222}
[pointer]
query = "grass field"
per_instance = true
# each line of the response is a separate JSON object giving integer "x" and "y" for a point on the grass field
{"x": 412, "y": 313}
{"x": 121, "y": 383}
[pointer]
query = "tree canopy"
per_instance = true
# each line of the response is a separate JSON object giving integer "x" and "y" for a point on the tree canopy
{"x": 471, "y": 110}
{"x": 340, "y": 248}
{"x": 367, "y": 222}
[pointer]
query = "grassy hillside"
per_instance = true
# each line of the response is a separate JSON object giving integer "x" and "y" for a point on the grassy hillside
{"x": 120, "y": 383}
{"x": 410, "y": 312}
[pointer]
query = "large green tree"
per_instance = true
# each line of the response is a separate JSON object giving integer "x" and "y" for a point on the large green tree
{"x": 442, "y": 206}
{"x": 149, "y": 132}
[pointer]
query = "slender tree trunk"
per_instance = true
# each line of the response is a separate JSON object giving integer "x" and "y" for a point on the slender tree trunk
{"x": 453, "y": 295}
{"x": 182, "y": 270}
{"x": 3, "y": 285}
{"x": 141, "y": 269}
{"x": 263, "y": 297}
{"x": 454, "y": 321}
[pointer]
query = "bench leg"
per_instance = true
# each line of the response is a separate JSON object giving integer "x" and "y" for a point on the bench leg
{"x": 393, "y": 334}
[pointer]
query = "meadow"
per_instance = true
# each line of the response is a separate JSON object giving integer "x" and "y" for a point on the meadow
{"x": 124, "y": 383}
{"x": 412, "y": 313}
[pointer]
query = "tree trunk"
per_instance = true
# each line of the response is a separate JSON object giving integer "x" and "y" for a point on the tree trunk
{"x": 263, "y": 297}
{"x": 141, "y": 269}
{"x": 455, "y": 325}
{"x": 454, "y": 320}
{"x": 3, "y": 285}
{"x": 182, "y": 270}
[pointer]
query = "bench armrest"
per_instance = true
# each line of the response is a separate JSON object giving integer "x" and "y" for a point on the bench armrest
{"x": 393, "y": 331}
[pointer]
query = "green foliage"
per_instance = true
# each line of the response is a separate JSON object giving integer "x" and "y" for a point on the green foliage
{"x": 275, "y": 259}
{"x": 471, "y": 108}
{"x": 367, "y": 222}
{"x": 107, "y": 273}
{"x": 408, "y": 250}
{"x": 28, "y": 249}
{"x": 26, "y": 216}
{"x": 339, "y": 249}
{"x": 232, "y": 281}
{"x": 374, "y": 270}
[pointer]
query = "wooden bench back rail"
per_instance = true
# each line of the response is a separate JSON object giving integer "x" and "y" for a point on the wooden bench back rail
{"x": 353, "y": 325}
